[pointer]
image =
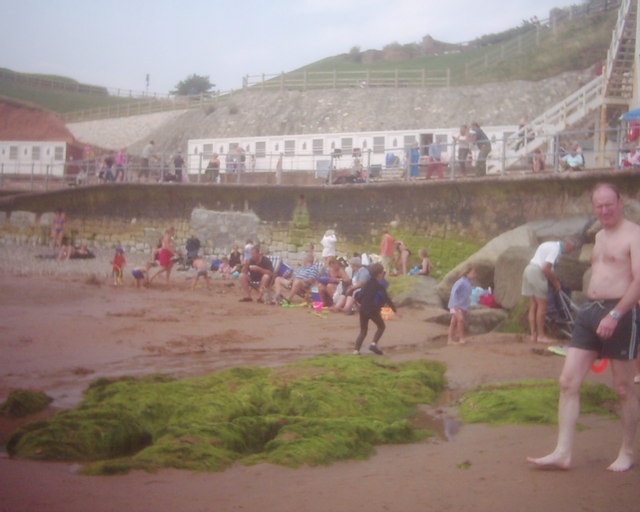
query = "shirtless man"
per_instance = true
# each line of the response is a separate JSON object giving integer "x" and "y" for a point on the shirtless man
{"x": 604, "y": 328}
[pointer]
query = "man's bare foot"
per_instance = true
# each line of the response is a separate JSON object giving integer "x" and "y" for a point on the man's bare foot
{"x": 551, "y": 461}
{"x": 622, "y": 463}
{"x": 546, "y": 341}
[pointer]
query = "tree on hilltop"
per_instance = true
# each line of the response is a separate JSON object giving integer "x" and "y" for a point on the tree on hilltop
{"x": 193, "y": 84}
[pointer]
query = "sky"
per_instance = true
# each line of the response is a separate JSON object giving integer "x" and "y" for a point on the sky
{"x": 117, "y": 43}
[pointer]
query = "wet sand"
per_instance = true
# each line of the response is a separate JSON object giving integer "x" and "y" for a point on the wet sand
{"x": 60, "y": 329}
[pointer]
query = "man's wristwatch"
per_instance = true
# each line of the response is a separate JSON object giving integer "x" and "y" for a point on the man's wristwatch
{"x": 614, "y": 314}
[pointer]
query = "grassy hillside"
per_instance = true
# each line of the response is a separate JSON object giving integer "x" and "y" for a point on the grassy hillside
{"x": 57, "y": 93}
{"x": 515, "y": 54}
{"x": 578, "y": 45}
{"x": 574, "y": 45}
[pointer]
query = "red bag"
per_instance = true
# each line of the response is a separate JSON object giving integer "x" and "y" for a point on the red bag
{"x": 487, "y": 299}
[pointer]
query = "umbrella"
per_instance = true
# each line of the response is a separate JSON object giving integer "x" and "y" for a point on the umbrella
{"x": 632, "y": 114}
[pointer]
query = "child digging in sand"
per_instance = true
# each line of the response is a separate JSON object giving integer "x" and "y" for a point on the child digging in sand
{"x": 201, "y": 271}
{"x": 459, "y": 302}
{"x": 141, "y": 274}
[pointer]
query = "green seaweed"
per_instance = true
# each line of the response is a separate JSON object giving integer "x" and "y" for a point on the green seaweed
{"x": 316, "y": 411}
{"x": 529, "y": 402}
{"x": 22, "y": 402}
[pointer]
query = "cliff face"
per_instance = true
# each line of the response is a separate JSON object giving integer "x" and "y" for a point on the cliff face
{"x": 259, "y": 113}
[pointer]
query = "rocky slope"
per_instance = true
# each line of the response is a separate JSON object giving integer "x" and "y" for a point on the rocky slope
{"x": 258, "y": 113}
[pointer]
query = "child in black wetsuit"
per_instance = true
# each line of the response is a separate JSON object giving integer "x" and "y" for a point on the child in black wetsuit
{"x": 372, "y": 299}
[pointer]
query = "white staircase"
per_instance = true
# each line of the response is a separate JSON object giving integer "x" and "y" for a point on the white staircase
{"x": 615, "y": 86}
{"x": 620, "y": 58}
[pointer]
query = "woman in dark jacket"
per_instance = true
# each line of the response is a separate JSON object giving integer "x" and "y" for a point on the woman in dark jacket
{"x": 372, "y": 299}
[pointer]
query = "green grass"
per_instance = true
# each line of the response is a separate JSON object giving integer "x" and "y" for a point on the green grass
{"x": 574, "y": 45}
{"x": 315, "y": 411}
{"x": 60, "y": 101}
{"x": 445, "y": 253}
{"x": 517, "y": 321}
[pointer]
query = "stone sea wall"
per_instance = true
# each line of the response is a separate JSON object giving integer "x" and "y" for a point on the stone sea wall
{"x": 285, "y": 219}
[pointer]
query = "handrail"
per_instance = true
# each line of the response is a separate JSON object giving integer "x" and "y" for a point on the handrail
{"x": 555, "y": 119}
{"x": 625, "y": 6}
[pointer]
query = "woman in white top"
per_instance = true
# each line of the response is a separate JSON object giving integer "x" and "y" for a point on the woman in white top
{"x": 328, "y": 243}
{"x": 464, "y": 147}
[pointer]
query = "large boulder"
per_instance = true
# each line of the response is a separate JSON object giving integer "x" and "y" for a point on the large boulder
{"x": 511, "y": 264}
{"x": 485, "y": 259}
{"x": 557, "y": 229}
{"x": 478, "y": 320}
{"x": 508, "y": 275}
{"x": 423, "y": 292}
{"x": 507, "y": 281}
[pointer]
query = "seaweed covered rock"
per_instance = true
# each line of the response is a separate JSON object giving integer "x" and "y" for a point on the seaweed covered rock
{"x": 22, "y": 402}
{"x": 79, "y": 435}
{"x": 315, "y": 411}
{"x": 529, "y": 402}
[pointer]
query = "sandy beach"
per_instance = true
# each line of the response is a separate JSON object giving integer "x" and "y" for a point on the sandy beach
{"x": 63, "y": 324}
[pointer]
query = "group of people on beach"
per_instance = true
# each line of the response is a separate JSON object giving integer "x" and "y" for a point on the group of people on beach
{"x": 605, "y": 327}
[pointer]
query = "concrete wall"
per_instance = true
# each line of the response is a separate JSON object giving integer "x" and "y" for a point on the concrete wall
{"x": 287, "y": 217}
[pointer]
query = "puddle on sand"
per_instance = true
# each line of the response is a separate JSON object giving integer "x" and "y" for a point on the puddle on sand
{"x": 440, "y": 417}
{"x": 445, "y": 427}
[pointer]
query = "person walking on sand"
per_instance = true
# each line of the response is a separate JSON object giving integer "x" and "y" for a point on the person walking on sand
{"x": 605, "y": 327}
{"x": 535, "y": 283}
{"x": 459, "y": 302}
{"x": 373, "y": 297}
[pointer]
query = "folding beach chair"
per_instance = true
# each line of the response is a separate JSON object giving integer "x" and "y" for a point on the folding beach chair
{"x": 561, "y": 311}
